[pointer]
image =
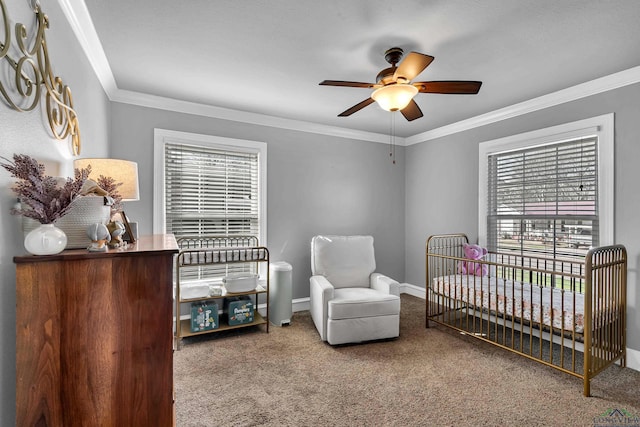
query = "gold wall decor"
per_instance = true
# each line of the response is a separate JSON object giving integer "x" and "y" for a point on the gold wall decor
{"x": 30, "y": 72}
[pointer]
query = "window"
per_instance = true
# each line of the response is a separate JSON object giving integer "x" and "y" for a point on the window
{"x": 550, "y": 192}
{"x": 206, "y": 185}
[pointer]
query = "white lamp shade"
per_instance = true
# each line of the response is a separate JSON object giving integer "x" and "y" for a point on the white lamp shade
{"x": 394, "y": 97}
{"x": 122, "y": 171}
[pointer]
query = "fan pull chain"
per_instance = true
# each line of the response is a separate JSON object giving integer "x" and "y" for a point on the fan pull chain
{"x": 392, "y": 138}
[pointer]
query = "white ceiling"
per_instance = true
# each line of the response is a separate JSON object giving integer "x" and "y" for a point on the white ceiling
{"x": 268, "y": 56}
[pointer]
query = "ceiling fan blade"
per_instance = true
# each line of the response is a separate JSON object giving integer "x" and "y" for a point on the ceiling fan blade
{"x": 347, "y": 84}
{"x": 449, "y": 87}
{"x": 356, "y": 107}
{"x": 412, "y": 65}
{"x": 411, "y": 111}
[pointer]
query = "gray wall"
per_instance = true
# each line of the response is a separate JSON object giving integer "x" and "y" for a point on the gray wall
{"x": 316, "y": 184}
{"x": 27, "y": 133}
{"x": 442, "y": 190}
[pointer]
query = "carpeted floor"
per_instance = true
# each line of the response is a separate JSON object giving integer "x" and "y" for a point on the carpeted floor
{"x": 426, "y": 377}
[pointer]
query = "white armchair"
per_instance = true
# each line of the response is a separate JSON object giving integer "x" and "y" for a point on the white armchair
{"x": 348, "y": 301}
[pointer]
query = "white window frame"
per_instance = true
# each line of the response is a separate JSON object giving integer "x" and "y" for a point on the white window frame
{"x": 601, "y": 126}
{"x": 164, "y": 136}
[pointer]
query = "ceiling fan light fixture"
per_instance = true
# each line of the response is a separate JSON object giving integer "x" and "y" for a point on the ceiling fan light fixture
{"x": 394, "y": 97}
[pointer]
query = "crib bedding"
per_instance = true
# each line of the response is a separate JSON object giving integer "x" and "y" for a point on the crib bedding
{"x": 541, "y": 305}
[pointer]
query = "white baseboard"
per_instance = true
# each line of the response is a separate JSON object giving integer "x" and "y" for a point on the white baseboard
{"x": 633, "y": 359}
{"x": 301, "y": 304}
{"x": 416, "y": 291}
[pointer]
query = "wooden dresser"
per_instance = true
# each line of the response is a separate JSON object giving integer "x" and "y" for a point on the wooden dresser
{"x": 94, "y": 336}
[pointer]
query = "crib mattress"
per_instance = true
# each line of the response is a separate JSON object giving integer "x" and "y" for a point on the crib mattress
{"x": 540, "y": 305}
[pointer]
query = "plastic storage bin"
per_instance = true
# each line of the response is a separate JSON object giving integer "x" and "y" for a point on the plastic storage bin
{"x": 194, "y": 290}
{"x": 240, "y": 282}
{"x": 280, "y": 293}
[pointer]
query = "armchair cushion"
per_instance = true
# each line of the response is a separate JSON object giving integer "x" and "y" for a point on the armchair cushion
{"x": 346, "y": 261}
{"x": 353, "y": 303}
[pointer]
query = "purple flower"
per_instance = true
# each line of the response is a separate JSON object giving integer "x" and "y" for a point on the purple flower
{"x": 41, "y": 198}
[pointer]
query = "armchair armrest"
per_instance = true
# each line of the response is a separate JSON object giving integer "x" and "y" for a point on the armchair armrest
{"x": 385, "y": 284}
{"x": 321, "y": 291}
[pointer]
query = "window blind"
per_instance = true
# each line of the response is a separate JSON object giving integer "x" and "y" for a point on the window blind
{"x": 211, "y": 191}
{"x": 544, "y": 199}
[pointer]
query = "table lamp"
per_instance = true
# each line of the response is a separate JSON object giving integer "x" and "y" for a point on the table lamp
{"x": 121, "y": 171}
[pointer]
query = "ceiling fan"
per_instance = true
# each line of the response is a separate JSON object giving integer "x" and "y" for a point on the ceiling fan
{"x": 394, "y": 89}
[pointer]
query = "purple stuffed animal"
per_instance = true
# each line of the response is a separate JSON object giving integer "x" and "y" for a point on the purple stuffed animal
{"x": 473, "y": 252}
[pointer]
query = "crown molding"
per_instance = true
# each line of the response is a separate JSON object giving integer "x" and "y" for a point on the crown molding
{"x": 80, "y": 21}
{"x": 153, "y": 101}
{"x": 78, "y": 16}
{"x": 593, "y": 87}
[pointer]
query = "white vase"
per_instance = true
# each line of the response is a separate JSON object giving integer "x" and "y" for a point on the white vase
{"x": 83, "y": 212}
{"x": 47, "y": 239}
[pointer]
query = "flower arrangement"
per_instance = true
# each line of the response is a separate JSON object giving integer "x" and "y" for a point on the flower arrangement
{"x": 41, "y": 196}
{"x": 110, "y": 185}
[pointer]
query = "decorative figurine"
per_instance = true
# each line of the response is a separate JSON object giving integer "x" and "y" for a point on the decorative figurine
{"x": 116, "y": 229}
{"x": 100, "y": 236}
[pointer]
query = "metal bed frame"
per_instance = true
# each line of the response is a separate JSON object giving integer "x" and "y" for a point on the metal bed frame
{"x": 601, "y": 278}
